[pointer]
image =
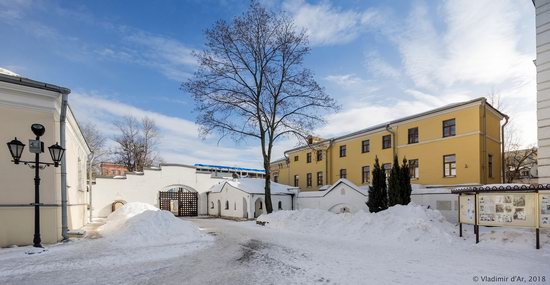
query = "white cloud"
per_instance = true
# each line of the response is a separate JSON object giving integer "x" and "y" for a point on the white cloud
{"x": 179, "y": 143}
{"x": 361, "y": 117}
{"x": 456, "y": 52}
{"x": 378, "y": 67}
{"x": 166, "y": 55}
{"x": 354, "y": 90}
{"x": 328, "y": 25}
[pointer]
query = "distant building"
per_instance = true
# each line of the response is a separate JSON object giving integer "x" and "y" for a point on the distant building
{"x": 542, "y": 12}
{"x": 109, "y": 169}
{"x": 522, "y": 166}
{"x": 453, "y": 145}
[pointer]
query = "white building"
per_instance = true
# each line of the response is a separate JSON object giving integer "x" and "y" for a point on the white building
{"x": 244, "y": 198}
{"x": 542, "y": 11}
{"x": 342, "y": 197}
{"x": 63, "y": 191}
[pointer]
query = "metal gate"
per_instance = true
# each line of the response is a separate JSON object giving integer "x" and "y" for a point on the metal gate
{"x": 187, "y": 202}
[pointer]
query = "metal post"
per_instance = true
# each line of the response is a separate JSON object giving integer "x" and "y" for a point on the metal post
{"x": 537, "y": 231}
{"x": 37, "y": 241}
{"x": 476, "y": 226}
{"x": 459, "y": 221}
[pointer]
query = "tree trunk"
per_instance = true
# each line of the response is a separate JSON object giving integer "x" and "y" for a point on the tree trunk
{"x": 268, "y": 205}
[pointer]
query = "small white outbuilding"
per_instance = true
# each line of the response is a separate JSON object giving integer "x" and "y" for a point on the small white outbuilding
{"x": 245, "y": 198}
{"x": 342, "y": 197}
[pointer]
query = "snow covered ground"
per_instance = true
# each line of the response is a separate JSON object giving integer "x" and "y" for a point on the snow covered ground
{"x": 132, "y": 238}
{"x": 401, "y": 245}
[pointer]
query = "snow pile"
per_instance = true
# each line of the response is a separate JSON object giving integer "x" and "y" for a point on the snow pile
{"x": 140, "y": 224}
{"x": 412, "y": 223}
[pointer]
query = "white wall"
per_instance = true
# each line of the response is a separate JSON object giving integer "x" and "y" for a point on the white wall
{"x": 444, "y": 202}
{"x": 543, "y": 87}
{"x": 234, "y": 197}
{"x": 341, "y": 196}
{"x": 145, "y": 188}
{"x": 275, "y": 198}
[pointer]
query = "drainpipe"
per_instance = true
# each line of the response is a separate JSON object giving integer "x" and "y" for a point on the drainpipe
{"x": 327, "y": 157}
{"x": 90, "y": 177}
{"x": 393, "y": 141}
{"x": 62, "y": 122}
{"x": 484, "y": 169}
{"x": 503, "y": 161}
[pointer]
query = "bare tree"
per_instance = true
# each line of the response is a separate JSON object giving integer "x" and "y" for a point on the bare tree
{"x": 517, "y": 158}
{"x": 96, "y": 142}
{"x": 251, "y": 83}
{"x": 136, "y": 143}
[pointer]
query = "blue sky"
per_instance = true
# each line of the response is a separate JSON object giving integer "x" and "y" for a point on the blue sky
{"x": 380, "y": 59}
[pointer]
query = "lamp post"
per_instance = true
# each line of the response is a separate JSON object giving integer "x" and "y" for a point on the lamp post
{"x": 36, "y": 146}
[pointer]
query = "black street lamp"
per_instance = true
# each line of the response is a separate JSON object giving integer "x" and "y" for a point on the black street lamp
{"x": 36, "y": 146}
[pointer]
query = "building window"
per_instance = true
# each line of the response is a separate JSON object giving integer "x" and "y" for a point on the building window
{"x": 449, "y": 165}
{"x": 319, "y": 155}
{"x": 296, "y": 158}
{"x": 449, "y": 128}
{"x": 386, "y": 142}
{"x": 309, "y": 180}
{"x": 490, "y": 162}
{"x": 280, "y": 205}
{"x": 387, "y": 169}
{"x": 319, "y": 178}
{"x": 211, "y": 205}
{"x": 365, "y": 146}
{"x": 276, "y": 178}
{"x": 413, "y": 135}
{"x": 227, "y": 205}
{"x": 261, "y": 206}
{"x": 365, "y": 174}
{"x": 525, "y": 173}
{"x": 343, "y": 151}
{"x": 296, "y": 181}
{"x": 343, "y": 173}
{"x": 413, "y": 168}
{"x": 235, "y": 206}
{"x": 308, "y": 157}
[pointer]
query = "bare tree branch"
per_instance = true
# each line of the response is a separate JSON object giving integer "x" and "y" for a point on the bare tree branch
{"x": 251, "y": 83}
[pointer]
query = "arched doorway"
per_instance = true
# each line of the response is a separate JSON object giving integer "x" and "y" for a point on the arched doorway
{"x": 117, "y": 205}
{"x": 181, "y": 200}
{"x": 245, "y": 209}
{"x": 258, "y": 207}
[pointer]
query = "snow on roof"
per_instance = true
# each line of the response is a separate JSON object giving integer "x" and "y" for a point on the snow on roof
{"x": 501, "y": 188}
{"x": 252, "y": 186}
{"x": 322, "y": 193}
{"x": 8, "y": 72}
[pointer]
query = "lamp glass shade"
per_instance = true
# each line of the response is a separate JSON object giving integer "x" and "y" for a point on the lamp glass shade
{"x": 56, "y": 151}
{"x": 16, "y": 149}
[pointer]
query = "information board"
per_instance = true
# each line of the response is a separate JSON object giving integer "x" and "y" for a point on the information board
{"x": 467, "y": 209}
{"x": 544, "y": 206}
{"x": 507, "y": 209}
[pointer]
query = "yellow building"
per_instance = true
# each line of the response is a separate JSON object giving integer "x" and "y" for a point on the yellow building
{"x": 456, "y": 144}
